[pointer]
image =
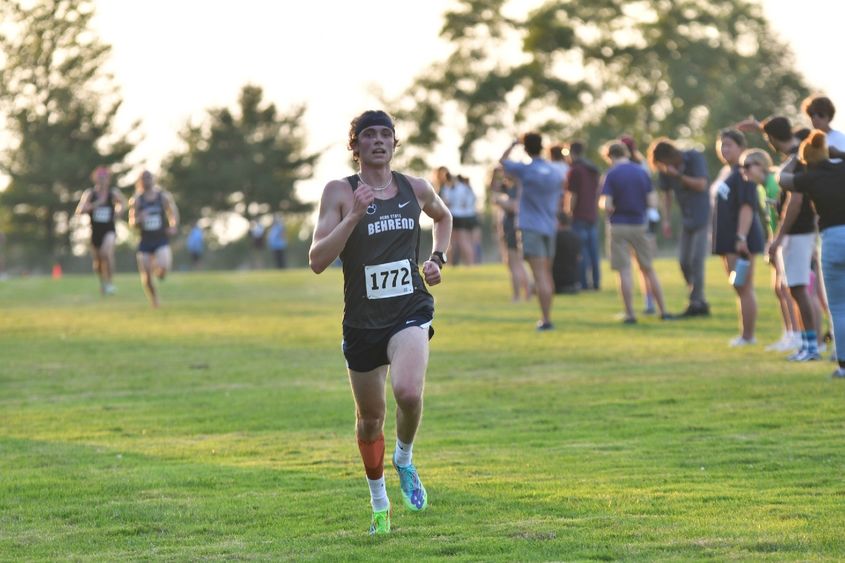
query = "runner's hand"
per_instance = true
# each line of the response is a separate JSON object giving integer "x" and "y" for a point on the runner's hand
{"x": 431, "y": 272}
{"x": 363, "y": 197}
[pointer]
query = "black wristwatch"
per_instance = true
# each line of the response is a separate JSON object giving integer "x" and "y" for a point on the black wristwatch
{"x": 438, "y": 257}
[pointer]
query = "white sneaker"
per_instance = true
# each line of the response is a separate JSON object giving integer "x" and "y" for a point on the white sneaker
{"x": 783, "y": 345}
{"x": 740, "y": 341}
{"x": 822, "y": 347}
{"x": 110, "y": 289}
{"x": 805, "y": 356}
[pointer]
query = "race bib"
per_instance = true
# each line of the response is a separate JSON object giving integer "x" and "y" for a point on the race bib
{"x": 388, "y": 280}
{"x": 152, "y": 222}
{"x": 101, "y": 214}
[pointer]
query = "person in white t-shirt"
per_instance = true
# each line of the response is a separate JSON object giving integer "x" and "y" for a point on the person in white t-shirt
{"x": 460, "y": 198}
{"x": 821, "y": 110}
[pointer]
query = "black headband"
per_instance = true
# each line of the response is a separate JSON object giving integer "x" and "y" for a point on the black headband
{"x": 373, "y": 119}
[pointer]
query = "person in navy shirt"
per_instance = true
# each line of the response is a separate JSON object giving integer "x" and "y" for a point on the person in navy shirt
{"x": 626, "y": 196}
{"x": 736, "y": 226}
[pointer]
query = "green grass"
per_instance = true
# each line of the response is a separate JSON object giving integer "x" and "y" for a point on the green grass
{"x": 221, "y": 427}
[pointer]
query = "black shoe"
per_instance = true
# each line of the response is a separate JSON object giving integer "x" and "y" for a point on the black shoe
{"x": 629, "y": 320}
{"x": 697, "y": 310}
{"x": 668, "y": 317}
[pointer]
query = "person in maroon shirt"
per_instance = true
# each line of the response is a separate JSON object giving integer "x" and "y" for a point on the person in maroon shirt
{"x": 582, "y": 183}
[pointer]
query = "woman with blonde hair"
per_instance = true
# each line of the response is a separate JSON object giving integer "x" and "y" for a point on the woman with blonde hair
{"x": 757, "y": 167}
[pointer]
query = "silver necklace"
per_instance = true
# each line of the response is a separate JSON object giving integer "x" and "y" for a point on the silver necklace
{"x": 380, "y": 188}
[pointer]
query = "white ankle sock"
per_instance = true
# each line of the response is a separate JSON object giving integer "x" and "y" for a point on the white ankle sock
{"x": 378, "y": 494}
{"x": 403, "y": 453}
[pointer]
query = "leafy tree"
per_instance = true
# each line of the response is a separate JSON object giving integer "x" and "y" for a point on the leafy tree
{"x": 680, "y": 68}
{"x": 246, "y": 162}
{"x": 59, "y": 106}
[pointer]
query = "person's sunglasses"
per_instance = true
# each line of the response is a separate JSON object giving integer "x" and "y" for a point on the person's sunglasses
{"x": 817, "y": 114}
{"x": 748, "y": 165}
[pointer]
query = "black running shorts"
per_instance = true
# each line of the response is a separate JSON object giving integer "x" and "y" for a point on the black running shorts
{"x": 366, "y": 349}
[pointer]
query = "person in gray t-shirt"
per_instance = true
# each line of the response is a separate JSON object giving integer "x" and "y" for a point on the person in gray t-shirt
{"x": 684, "y": 175}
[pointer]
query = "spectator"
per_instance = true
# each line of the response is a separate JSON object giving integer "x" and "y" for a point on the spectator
{"x": 557, "y": 158}
{"x": 537, "y": 218}
{"x": 461, "y": 201}
{"x": 824, "y": 183}
{"x": 757, "y": 167}
{"x": 793, "y": 243}
{"x": 653, "y": 217}
{"x": 277, "y": 241}
{"x": 821, "y": 110}
{"x": 736, "y": 228}
{"x": 684, "y": 175}
{"x": 505, "y": 195}
{"x": 626, "y": 196}
{"x": 567, "y": 250}
{"x": 582, "y": 205}
{"x": 256, "y": 236}
{"x": 475, "y": 234}
{"x": 195, "y": 244}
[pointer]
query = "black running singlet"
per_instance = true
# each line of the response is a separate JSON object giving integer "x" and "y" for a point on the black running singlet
{"x": 102, "y": 217}
{"x": 154, "y": 220}
{"x": 381, "y": 278}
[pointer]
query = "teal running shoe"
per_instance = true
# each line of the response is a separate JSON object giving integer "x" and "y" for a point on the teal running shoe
{"x": 413, "y": 491}
{"x": 381, "y": 522}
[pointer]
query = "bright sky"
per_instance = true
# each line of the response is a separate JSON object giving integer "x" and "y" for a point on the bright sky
{"x": 176, "y": 58}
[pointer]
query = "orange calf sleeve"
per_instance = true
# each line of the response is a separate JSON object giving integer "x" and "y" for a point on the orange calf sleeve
{"x": 373, "y": 455}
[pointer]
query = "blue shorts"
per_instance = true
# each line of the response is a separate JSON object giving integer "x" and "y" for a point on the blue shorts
{"x": 365, "y": 349}
{"x": 537, "y": 245}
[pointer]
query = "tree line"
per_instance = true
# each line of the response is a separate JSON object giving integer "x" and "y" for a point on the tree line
{"x": 589, "y": 70}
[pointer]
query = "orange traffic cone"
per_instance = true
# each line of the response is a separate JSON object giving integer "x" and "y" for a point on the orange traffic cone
{"x": 57, "y": 271}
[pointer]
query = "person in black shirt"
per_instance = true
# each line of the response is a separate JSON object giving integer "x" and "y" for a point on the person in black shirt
{"x": 824, "y": 183}
{"x": 153, "y": 211}
{"x": 793, "y": 243}
{"x": 371, "y": 221}
{"x": 102, "y": 203}
{"x": 737, "y": 232}
{"x": 567, "y": 251}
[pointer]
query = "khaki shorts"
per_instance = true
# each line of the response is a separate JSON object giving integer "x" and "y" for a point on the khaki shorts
{"x": 622, "y": 239}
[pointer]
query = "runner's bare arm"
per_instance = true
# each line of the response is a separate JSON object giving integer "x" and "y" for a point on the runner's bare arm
{"x": 433, "y": 206}
{"x": 340, "y": 211}
{"x": 133, "y": 211}
{"x": 172, "y": 212}
{"x": 120, "y": 204}
{"x": 83, "y": 206}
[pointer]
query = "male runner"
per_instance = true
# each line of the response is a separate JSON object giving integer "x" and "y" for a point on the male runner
{"x": 371, "y": 220}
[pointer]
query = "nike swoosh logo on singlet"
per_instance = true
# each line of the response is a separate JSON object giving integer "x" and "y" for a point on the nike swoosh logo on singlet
{"x": 401, "y": 205}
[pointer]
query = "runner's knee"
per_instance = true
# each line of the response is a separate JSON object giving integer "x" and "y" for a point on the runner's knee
{"x": 370, "y": 425}
{"x": 408, "y": 397}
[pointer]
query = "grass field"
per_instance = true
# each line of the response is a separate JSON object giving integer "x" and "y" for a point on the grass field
{"x": 221, "y": 427}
